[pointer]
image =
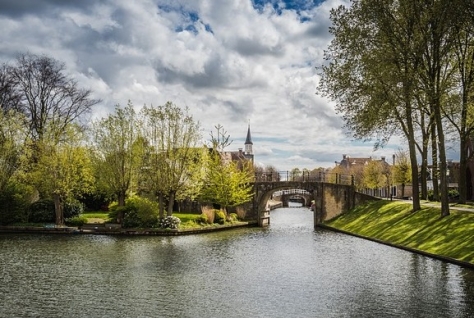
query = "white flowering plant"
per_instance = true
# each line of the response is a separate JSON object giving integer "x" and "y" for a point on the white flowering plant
{"x": 171, "y": 222}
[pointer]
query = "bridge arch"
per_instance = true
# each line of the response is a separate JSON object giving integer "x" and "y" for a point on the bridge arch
{"x": 288, "y": 195}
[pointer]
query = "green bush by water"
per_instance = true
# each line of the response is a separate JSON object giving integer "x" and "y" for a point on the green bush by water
{"x": 219, "y": 217}
{"x": 76, "y": 221}
{"x": 138, "y": 212}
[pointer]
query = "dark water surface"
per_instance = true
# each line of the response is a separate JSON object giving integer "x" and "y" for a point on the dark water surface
{"x": 286, "y": 270}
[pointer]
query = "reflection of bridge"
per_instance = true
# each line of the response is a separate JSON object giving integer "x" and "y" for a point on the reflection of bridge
{"x": 334, "y": 194}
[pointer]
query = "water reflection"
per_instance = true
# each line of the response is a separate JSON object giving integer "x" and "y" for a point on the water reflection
{"x": 286, "y": 270}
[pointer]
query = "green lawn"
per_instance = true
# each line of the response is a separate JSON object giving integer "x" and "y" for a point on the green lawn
{"x": 425, "y": 230}
{"x": 96, "y": 217}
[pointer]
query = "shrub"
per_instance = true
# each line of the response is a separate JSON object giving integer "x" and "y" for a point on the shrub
{"x": 42, "y": 211}
{"x": 233, "y": 217}
{"x": 14, "y": 203}
{"x": 220, "y": 217}
{"x": 430, "y": 195}
{"x": 72, "y": 209}
{"x": 138, "y": 212}
{"x": 76, "y": 221}
{"x": 171, "y": 222}
{"x": 453, "y": 194}
{"x": 202, "y": 219}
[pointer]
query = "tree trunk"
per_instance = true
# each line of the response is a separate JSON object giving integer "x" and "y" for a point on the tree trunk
{"x": 58, "y": 209}
{"x": 172, "y": 195}
{"x": 424, "y": 157}
{"x": 121, "y": 203}
{"x": 462, "y": 182}
{"x": 443, "y": 165}
{"x": 412, "y": 150}
{"x": 161, "y": 205}
{"x": 434, "y": 160}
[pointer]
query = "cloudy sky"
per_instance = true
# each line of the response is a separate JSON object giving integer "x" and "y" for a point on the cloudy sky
{"x": 232, "y": 62}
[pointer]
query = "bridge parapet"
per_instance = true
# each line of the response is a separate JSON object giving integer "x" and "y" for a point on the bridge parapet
{"x": 289, "y": 176}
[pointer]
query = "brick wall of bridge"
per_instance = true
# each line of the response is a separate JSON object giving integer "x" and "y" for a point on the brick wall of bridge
{"x": 334, "y": 200}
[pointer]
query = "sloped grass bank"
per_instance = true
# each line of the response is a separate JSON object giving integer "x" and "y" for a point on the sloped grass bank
{"x": 450, "y": 238}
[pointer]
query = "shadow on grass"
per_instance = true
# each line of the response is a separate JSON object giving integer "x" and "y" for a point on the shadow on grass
{"x": 425, "y": 230}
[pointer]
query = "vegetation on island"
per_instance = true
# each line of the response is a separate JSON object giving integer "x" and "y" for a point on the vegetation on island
{"x": 55, "y": 161}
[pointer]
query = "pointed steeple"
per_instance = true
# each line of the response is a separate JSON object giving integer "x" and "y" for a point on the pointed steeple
{"x": 248, "y": 143}
{"x": 248, "y": 140}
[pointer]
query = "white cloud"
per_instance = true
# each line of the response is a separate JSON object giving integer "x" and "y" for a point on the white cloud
{"x": 229, "y": 62}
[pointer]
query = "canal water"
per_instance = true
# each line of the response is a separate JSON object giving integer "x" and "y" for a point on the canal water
{"x": 286, "y": 270}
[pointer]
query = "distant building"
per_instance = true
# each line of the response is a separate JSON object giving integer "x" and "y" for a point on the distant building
{"x": 242, "y": 156}
{"x": 348, "y": 162}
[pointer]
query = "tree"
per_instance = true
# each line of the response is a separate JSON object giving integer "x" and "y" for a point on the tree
{"x": 117, "y": 151}
{"x": 295, "y": 174}
{"x": 174, "y": 161}
{"x": 402, "y": 170}
{"x": 225, "y": 183}
{"x": 63, "y": 171}
{"x": 9, "y": 96}
{"x": 386, "y": 53}
{"x": 374, "y": 175}
{"x": 50, "y": 99}
{"x": 460, "y": 110}
{"x": 12, "y": 142}
{"x": 357, "y": 171}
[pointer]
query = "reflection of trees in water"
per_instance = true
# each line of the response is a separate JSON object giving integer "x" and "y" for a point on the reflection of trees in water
{"x": 436, "y": 282}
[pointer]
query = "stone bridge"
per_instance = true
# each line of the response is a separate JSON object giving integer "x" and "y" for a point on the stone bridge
{"x": 332, "y": 196}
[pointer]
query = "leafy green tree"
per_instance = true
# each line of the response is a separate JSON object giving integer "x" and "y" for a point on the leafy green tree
{"x": 374, "y": 175}
{"x": 386, "y": 56}
{"x": 460, "y": 110}
{"x": 174, "y": 156}
{"x": 117, "y": 152}
{"x": 402, "y": 170}
{"x": 63, "y": 170}
{"x": 226, "y": 183}
{"x": 12, "y": 142}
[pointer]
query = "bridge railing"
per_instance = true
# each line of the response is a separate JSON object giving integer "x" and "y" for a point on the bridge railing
{"x": 281, "y": 176}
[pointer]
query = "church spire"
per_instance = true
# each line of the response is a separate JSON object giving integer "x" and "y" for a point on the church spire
{"x": 248, "y": 143}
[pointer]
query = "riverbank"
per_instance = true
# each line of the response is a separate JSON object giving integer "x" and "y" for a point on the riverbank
{"x": 425, "y": 232}
{"x": 102, "y": 229}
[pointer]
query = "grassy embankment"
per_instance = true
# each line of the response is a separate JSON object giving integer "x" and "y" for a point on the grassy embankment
{"x": 394, "y": 223}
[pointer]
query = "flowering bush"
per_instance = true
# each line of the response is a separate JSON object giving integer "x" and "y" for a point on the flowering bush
{"x": 170, "y": 222}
